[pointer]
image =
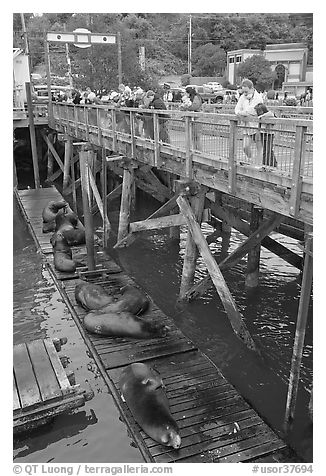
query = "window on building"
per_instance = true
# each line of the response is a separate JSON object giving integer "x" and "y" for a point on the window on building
{"x": 231, "y": 59}
{"x": 238, "y": 59}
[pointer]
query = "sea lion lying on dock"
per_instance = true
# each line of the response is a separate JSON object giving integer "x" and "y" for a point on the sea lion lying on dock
{"x": 66, "y": 221}
{"x": 62, "y": 253}
{"x": 93, "y": 296}
{"x": 49, "y": 214}
{"x": 143, "y": 391}
{"x": 122, "y": 324}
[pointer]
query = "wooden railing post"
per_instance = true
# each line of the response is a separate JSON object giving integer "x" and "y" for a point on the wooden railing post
{"x": 157, "y": 159}
{"x": 189, "y": 147}
{"x": 232, "y": 165}
{"x": 114, "y": 129}
{"x": 84, "y": 156}
{"x": 296, "y": 184}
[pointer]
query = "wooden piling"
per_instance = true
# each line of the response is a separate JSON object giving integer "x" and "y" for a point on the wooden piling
{"x": 31, "y": 127}
{"x": 252, "y": 274}
{"x": 124, "y": 219}
{"x": 73, "y": 184}
{"x": 228, "y": 302}
{"x": 88, "y": 218}
{"x": 67, "y": 159}
{"x": 300, "y": 333}
{"x": 50, "y": 157}
{"x": 191, "y": 253}
{"x": 104, "y": 184}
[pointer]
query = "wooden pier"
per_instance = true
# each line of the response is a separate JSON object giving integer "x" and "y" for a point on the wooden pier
{"x": 216, "y": 423}
{"x": 41, "y": 388}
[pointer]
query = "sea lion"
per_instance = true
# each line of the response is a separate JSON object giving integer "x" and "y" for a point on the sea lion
{"x": 66, "y": 221}
{"x": 143, "y": 392}
{"x": 133, "y": 300}
{"x": 62, "y": 253}
{"x": 122, "y": 324}
{"x": 49, "y": 214}
{"x": 92, "y": 296}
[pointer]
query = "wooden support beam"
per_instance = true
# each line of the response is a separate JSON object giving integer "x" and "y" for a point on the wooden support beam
{"x": 124, "y": 218}
{"x": 189, "y": 147}
{"x": 235, "y": 257}
{"x": 191, "y": 252}
{"x": 229, "y": 305}
{"x": 157, "y": 223}
{"x": 67, "y": 158}
{"x": 73, "y": 183}
{"x": 84, "y": 156}
{"x": 50, "y": 159}
{"x": 106, "y": 222}
{"x": 300, "y": 333}
{"x": 54, "y": 152}
{"x": 166, "y": 208}
{"x": 32, "y": 134}
{"x": 104, "y": 185}
{"x": 244, "y": 228}
{"x": 252, "y": 274}
{"x": 57, "y": 174}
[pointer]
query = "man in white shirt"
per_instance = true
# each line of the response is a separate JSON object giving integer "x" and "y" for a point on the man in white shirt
{"x": 245, "y": 110}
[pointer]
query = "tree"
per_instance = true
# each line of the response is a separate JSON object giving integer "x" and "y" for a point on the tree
{"x": 209, "y": 60}
{"x": 258, "y": 69}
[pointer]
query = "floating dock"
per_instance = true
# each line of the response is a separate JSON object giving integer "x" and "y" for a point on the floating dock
{"x": 216, "y": 424}
{"x": 41, "y": 388}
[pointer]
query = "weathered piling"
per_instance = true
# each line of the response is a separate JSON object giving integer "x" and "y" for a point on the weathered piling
{"x": 84, "y": 156}
{"x": 124, "y": 219}
{"x": 67, "y": 159}
{"x": 31, "y": 127}
{"x": 300, "y": 333}
{"x": 197, "y": 202}
{"x": 252, "y": 274}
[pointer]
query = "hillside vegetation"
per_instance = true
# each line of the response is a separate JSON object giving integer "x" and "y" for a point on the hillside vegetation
{"x": 165, "y": 38}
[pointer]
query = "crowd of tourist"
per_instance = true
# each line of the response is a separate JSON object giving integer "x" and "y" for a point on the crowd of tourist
{"x": 251, "y": 104}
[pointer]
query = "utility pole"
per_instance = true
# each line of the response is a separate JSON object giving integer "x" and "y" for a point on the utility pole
{"x": 69, "y": 63}
{"x": 119, "y": 57}
{"x": 189, "y": 47}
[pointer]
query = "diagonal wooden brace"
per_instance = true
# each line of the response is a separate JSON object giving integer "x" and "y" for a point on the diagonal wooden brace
{"x": 228, "y": 302}
{"x": 254, "y": 239}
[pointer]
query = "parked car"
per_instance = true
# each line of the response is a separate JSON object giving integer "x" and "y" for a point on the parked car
{"x": 214, "y": 86}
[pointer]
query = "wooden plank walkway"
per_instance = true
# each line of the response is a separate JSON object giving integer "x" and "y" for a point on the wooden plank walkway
{"x": 41, "y": 389}
{"x": 216, "y": 423}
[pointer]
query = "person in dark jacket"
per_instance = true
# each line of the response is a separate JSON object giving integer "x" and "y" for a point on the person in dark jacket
{"x": 154, "y": 101}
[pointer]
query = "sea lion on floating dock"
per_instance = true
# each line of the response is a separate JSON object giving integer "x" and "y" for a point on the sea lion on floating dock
{"x": 143, "y": 392}
{"x": 66, "y": 221}
{"x": 122, "y": 324}
{"x": 132, "y": 300}
{"x": 92, "y": 296}
{"x": 62, "y": 254}
{"x": 49, "y": 214}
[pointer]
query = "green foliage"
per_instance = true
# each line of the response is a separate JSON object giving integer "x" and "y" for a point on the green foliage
{"x": 258, "y": 69}
{"x": 209, "y": 60}
{"x": 165, "y": 37}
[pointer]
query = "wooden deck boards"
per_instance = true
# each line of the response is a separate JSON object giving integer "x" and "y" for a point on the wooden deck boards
{"x": 41, "y": 388}
{"x": 216, "y": 423}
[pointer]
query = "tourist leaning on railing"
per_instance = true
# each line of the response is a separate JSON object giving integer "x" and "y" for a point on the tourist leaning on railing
{"x": 245, "y": 110}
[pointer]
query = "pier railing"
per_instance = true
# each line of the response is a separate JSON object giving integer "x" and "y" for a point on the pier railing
{"x": 280, "y": 154}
